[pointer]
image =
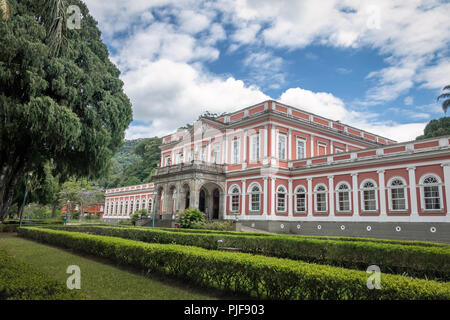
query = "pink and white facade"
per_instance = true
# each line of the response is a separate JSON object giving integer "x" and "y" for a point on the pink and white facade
{"x": 279, "y": 168}
{"x": 121, "y": 203}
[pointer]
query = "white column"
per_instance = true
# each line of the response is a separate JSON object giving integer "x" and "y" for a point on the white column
{"x": 244, "y": 162}
{"x": 225, "y": 148}
{"x": 244, "y": 192}
{"x": 273, "y": 150}
{"x": 290, "y": 197}
{"x": 382, "y": 188}
{"x": 266, "y": 196}
{"x": 225, "y": 203}
{"x": 355, "y": 194}
{"x": 208, "y": 155}
{"x": 265, "y": 141}
{"x": 312, "y": 145}
{"x": 413, "y": 190}
{"x": 272, "y": 195}
{"x": 446, "y": 167}
{"x": 310, "y": 204}
{"x": 289, "y": 148}
{"x": 331, "y": 194}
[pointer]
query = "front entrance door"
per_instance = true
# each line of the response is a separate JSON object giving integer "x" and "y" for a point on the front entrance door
{"x": 216, "y": 199}
{"x": 201, "y": 201}
{"x": 188, "y": 200}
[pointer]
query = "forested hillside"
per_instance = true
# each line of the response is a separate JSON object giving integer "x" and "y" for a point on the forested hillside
{"x": 134, "y": 163}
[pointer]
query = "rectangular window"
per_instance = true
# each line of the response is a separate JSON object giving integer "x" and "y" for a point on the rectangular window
{"x": 203, "y": 154}
{"x": 431, "y": 197}
{"x": 370, "y": 202}
{"x": 216, "y": 153}
{"x": 168, "y": 162}
{"x": 300, "y": 149}
{"x": 337, "y": 150}
{"x": 281, "y": 147}
{"x": 301, "y": 202}
{"x": 398, "y": 199}
{"x": 321, "y": 202}
{"x": 322, "y": 148}
{"x": 255, "y": 202}
{"x": 235, "y": 153}
{"x": 235, "y": 203}
{"x": 344, "y": 201}
{"x": 254, "y": 148}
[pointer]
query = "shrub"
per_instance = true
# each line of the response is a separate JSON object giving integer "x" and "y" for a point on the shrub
{"x": 20, "y": 281}
{"x": 191, "y": 216}
{"x": 253, "y": 275}
{"x": 215, "y": 225}
{"x": 418, "y": 261}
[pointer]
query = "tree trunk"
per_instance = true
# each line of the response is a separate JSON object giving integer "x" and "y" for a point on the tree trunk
{"x": 9, "y": 178}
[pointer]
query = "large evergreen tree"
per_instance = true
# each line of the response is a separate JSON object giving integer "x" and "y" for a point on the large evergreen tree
{"x": 61, "y": 99}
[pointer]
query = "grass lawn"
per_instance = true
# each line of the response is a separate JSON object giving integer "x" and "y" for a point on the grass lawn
{"x": 99, "y": 280}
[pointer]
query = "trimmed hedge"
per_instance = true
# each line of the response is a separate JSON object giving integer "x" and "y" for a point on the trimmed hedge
{"x": 402, "y": 242}
{"x": 20, "y": 281}
{"x": 253, "y": 275}
{"x": 34, "y": 221}
{"x": 417, "y": 261}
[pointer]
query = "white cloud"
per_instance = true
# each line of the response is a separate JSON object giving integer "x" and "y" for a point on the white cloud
{"x": 170, "y": 94}
{"x": 408, "y": 100}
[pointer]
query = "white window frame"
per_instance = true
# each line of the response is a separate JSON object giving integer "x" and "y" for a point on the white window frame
{"x": 296, "y": 193}
{"x": 251, "y": 193}
{"x": 422, "y": 192}
{"x": 321, "y": 144}
{"x": 216, "y": 153}
{"x": 405, "y": 192}
{"x": 302, "y": 140}
{"x": 349, "y": 191}
{"x": 235, "y": 150}
{"x": 279, "y": 190}
{"x": 316, "y": 192}
{"x": 361, "y": 191}
{"x": 231, "y": 194}
{"x": 255, "y": 147}
{"x": 150, "y": 204}
{"x": 284, "y": 146}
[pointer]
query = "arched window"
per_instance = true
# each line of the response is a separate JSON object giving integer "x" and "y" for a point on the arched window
{"x": 300, "y": 199}
{"x": 431, "y": 193}
{"x": 137, "y": 205}
{"x": 255, "y": 197}
{"x": 117, "y": 208}
{"x": 121, "y": 207}
{"x": 235, "y": 198}
{"x": 143, "y": 204}
{"x": 321, "y": 199}
{"x": 343, "y": 197}
{"x": 369, "y": 196}
{"x": 131, "y": 206}
{"x": 281, "y": 199}
{"x": 126, "y": 208}
{"x": 397, "y": 195}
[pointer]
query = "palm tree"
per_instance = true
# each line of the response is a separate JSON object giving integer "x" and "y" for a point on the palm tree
{"x": 446, "y": 97}
{"x": 4, "y": 8}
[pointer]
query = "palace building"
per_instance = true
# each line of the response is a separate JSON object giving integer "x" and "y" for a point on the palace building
{"x": 278, "y": 168}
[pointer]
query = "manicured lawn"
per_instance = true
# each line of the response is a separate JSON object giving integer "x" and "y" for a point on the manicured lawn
{"x": 99, "y": 280}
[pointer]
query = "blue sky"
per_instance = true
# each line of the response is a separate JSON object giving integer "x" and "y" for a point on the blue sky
{"x": 377, "y": 65}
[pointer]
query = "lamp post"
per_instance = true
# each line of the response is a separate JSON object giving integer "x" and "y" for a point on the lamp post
{"x": 24, "y": 198}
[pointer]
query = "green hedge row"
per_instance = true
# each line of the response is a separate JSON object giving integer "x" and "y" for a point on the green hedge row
{"x": 402, "y": 242}
{"x": 34, "y": 221}
{"x": 417, "y": 261}
{"x": 20, "y": 281}
{"x": 253, "y": 275}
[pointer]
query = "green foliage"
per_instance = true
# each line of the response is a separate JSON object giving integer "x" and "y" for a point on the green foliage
{"x": 242, "y": 273}
{"x": 20, "y": 281}
{"x": 429, "y": 261}
{"x": 138, "y": 215}
{"x": 436, "y": 128}
{"x": 214, "y": 225}
{"x": 63, "y": 105}
{"x": 191, "y": 216}
{"x": 36, "y": 211}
